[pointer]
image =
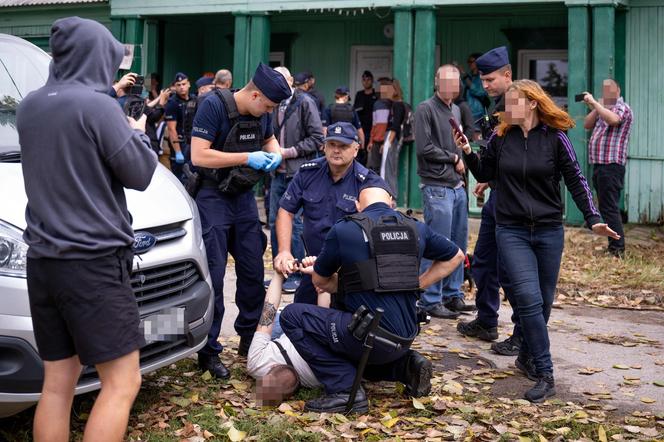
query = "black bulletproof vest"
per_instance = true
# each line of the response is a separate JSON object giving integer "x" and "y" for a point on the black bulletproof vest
{"x": 188, "y": 118}
{"x": 341, "y": 112}
{"x": 394, "y": 262}
{"x": 244, "y": 136}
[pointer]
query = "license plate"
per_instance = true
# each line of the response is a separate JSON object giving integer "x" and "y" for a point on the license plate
{"x": 166, "y": 325}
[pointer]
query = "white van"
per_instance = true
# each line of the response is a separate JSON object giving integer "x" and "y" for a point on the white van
{"x": 170, "y": 274}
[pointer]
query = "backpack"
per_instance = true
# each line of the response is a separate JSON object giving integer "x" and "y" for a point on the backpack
{"x": 407, "y": 130}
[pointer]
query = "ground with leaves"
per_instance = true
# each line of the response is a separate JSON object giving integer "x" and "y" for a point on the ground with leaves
{"x": 606, "y": 331}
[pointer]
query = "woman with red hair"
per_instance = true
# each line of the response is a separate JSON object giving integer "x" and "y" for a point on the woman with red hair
{"x": 528, "y": 155}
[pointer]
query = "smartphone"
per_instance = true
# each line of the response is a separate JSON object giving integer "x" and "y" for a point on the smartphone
{"x": 457, "y": 128}
{"x": 579, "y": 97}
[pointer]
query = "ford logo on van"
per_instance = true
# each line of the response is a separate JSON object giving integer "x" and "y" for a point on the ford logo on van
{"x": 143, "y": 241}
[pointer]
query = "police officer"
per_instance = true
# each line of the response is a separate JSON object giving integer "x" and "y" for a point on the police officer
{"x": 179, "y": 116}
{"x": 325, "y": 189}
{"x": 496, "y": 75}
{"x": 233, "y": 145}
{"x": 371, "y": 260}
{"x": 342, "y": 110}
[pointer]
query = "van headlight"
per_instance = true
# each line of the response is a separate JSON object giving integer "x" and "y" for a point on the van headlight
{"x": 13, "y": 251}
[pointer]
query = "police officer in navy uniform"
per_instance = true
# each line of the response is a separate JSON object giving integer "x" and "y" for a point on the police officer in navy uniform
{"x": 179, "y": 116}
{"x": 326, "y": 189}
{"x": 370, "y": 260}
{"x": 496, "y": 75}
{"x": 233, "y": 146}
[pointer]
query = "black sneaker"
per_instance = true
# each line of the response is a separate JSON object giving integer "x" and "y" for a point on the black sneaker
{"x": 439, "y": 311}
{"x": 475, "y": 329}
{"x": 336, "y": 403}
{"x": 245, "y": 343}
{"x": 508, "y": 347}
{"x": 417, "y": 375}
{"x": 527, "y": 367}
{"x": 456, "y": 304}
{"x": 214, "y": 365}
{"x": 544, "y": 388}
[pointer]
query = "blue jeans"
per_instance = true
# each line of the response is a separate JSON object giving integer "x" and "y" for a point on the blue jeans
{"x": 531, "y": 258}
{"x": 278, "y": 187}
{"x": 488, "y": 271}
{"x": 446, "y": 213}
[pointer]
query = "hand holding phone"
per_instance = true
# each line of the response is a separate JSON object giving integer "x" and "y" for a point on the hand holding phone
{"x": 459, "y": 138}
{"x": 579, "y": 97}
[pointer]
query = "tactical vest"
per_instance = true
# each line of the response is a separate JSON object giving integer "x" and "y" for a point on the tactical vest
{"x": 244, "y": 136}
{"x": 393, "y": 265}
{"x": 188, "y": 118}
{"x": 341, "y": 112}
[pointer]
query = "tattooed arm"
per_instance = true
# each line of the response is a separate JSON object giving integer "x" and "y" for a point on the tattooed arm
{"x": 271, "y": 305}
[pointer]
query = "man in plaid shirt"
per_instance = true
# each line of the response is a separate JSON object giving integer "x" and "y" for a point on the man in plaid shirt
{"x": 611, "y": 121}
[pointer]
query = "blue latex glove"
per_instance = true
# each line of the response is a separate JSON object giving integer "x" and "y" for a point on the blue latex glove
{"x": 276, "y": 160}
{"x": 259, "y": 160}
{"x": 179, "y": 158}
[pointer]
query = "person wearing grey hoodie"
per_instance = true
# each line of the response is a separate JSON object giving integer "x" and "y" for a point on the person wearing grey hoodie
{"x": 79, "y": 152}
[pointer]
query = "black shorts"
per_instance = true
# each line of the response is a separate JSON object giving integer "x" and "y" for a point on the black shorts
{"x": 84, "y": 307}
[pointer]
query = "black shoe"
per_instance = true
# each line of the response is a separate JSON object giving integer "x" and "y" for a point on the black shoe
{"x": 617, "y": 253}
{"x": 508, "y": 347}
{"x": 245, "y": 343}
{"x": 417, "y": 375}
{"x": 336, "y": 403}
{"x": 456, "y": 304}
{"x": 439, "y": 311}
{"x": 214, "y": 365}
{"x": 475, "y": 329}
{"x": 527, "y": 367}
{"x": 544, "y": 388}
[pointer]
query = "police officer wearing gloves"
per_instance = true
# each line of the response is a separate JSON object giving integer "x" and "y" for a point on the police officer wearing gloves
{"x": 179, "y": 116}
{"x": 325, "y": 189}
{"x": 233, "y": 146}
{"x": 370, "y": 260}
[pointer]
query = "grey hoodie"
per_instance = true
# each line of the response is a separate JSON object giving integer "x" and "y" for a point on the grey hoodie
{"x": 78, "y": 150}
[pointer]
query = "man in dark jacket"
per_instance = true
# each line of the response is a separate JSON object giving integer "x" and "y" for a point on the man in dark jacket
{"x": 299, "y": 131}
{"x": 441, "y": 170}
{"x": 78, "y": 154}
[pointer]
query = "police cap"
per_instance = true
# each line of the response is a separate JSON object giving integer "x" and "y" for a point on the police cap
{"x": 342, "y": 90}
{"x": 492, "y": 60}
{"x": 271, "y": 83}
{"x": 342, "y": 131}
{"x": 179, "y": 77}
{"x": 300, "y": 78}
{"x": 204, "y": 81}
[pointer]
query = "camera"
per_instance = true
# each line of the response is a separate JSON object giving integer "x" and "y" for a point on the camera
{"x": 137, "y": 88}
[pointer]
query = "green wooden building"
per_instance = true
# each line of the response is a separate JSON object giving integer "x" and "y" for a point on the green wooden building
{"x": 580, "y": 41}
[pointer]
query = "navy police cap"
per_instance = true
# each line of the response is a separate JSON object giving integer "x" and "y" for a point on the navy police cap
{"x": 204, "y": 81}
{"x": 271, "y": 83}
{"x": 343, "y": 132}
{"x": 342, "y": 90}
{"x": 301, "y": 78}
{"x": 179, "y": 77}
{"x": 492, "y": 60}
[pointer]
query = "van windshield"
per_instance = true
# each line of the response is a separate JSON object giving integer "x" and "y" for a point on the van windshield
{"x": 23, "y": 68}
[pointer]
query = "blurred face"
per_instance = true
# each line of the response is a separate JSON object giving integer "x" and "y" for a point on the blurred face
{"x": 367, "y": 82}
{"x": 386, "y": 91}
{"x": 610, "y": 92}
{"x": 339, "y": 154}
{"x": 205, "y": 89}
{"x": 496, "y": 83}
{"x": 448, "y": 83}
{"x": 259, "y": 104}
{"x": 518, "y": 108}
{"x": 471, "y": 64}
{"x": 182, "y": 88}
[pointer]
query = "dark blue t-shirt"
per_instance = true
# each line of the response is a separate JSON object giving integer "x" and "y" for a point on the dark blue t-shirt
{"x": 347, "y": 244}
{"x": 212, "y": 123}
{"x": 175, "y": 110}
{"x": 323, "y": 200}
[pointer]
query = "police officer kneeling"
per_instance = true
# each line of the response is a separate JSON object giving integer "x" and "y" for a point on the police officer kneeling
{"x": 370, "y": 260}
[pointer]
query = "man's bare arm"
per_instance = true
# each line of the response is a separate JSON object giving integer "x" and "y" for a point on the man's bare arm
{"x": 271, "y": 305}
{"x": 440, "y": 269}
{"x": 271, "y": 145}
{"x": 173, "y": 135}
{"x": 284, "y": 227}
{"x": 203, "y": 155}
